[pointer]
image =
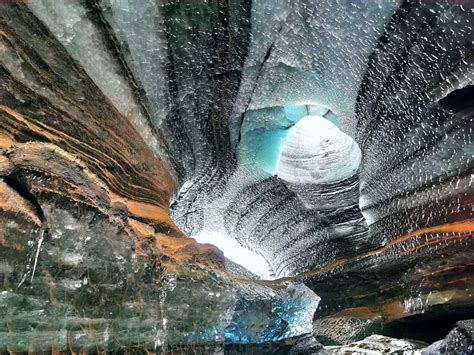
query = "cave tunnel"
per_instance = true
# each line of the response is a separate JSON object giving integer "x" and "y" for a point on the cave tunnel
{"x": 236, "y": 177}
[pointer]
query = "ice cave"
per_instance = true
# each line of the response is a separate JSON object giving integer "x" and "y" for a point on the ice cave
{"x": 236, "y": 177}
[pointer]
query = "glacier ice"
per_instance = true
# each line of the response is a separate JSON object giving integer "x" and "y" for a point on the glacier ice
{"x": 325, "y": 147}
{"x": 316, "y": 151}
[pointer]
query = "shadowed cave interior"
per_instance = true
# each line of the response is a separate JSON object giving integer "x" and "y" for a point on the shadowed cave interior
{"x": 241, "y": 176}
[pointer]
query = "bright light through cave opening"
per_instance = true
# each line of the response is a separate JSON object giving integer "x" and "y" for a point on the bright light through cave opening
{"x": 234, "y": 251}
{"x": 129, "y": 126}
{"x": 312, "y": 152}
{"x": 316, "y": 151}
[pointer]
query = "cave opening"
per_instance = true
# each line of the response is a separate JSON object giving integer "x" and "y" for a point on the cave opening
{"x": 316, "y": 151}
{"x": 324, "y": 146}
{"x": 302, "y": 147}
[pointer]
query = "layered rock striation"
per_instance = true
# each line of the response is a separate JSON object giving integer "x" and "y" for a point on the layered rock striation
{"x": 128, "y": 126}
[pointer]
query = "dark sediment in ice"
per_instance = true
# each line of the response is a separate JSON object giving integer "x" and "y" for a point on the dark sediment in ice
{"x": 145, "y": 122}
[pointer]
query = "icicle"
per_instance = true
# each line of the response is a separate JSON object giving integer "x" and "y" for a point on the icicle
{"x": 40, "y": 241}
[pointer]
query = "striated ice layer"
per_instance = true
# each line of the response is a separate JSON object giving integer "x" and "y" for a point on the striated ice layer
{"x": 73, "y": 26}
{"x": 290, "y": 62}
{"x": 139, "y": 26}
{"x": 316, "y": 151}
{"x": 293, "y": 233}
{"x": 377, "y": 344}
{"x": 223, "y": 85}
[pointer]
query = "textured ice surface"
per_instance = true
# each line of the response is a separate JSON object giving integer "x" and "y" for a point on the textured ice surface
{"x": 222, "y": 90}
{"x": 71, "y": 24}
{"x": 303, "y": 67}
{"x": 377, "y": 344}
{"x": 305, "y": 151}
{"x": 263, "y": 316}
{"x": 459, "y": 340}
{"x": 223, "y": 85}
{"x": 91, "y": 291}
{"x": 316, "y": 151}
{"x": 139, "y": 27}
{"x": 289, "y": 66}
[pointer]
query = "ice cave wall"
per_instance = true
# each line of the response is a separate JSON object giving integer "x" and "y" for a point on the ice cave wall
{"x": 164, "y": 102}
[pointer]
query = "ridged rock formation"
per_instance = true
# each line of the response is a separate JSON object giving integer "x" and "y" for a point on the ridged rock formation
{"x": 333, "y": 140}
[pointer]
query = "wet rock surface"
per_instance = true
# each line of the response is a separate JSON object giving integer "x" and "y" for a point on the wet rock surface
{"x": 78, "y": 278}
{"x": 127, "y": 127}
{"x": 376, "y": 344}
{"x": 458, "y": 341}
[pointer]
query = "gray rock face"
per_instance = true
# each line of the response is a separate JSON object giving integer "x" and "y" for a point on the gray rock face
{"x": 459, "y": 341}
{"x": 84, "y": 284}
{"x": 376, "y": 344}
{"x": 306, "y": 345}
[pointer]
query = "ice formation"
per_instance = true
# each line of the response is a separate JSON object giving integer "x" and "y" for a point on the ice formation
{"x": 202, "y": 175}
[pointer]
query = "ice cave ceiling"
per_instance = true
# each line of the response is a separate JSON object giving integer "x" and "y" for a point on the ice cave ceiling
{"x": 319, "y": 153}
